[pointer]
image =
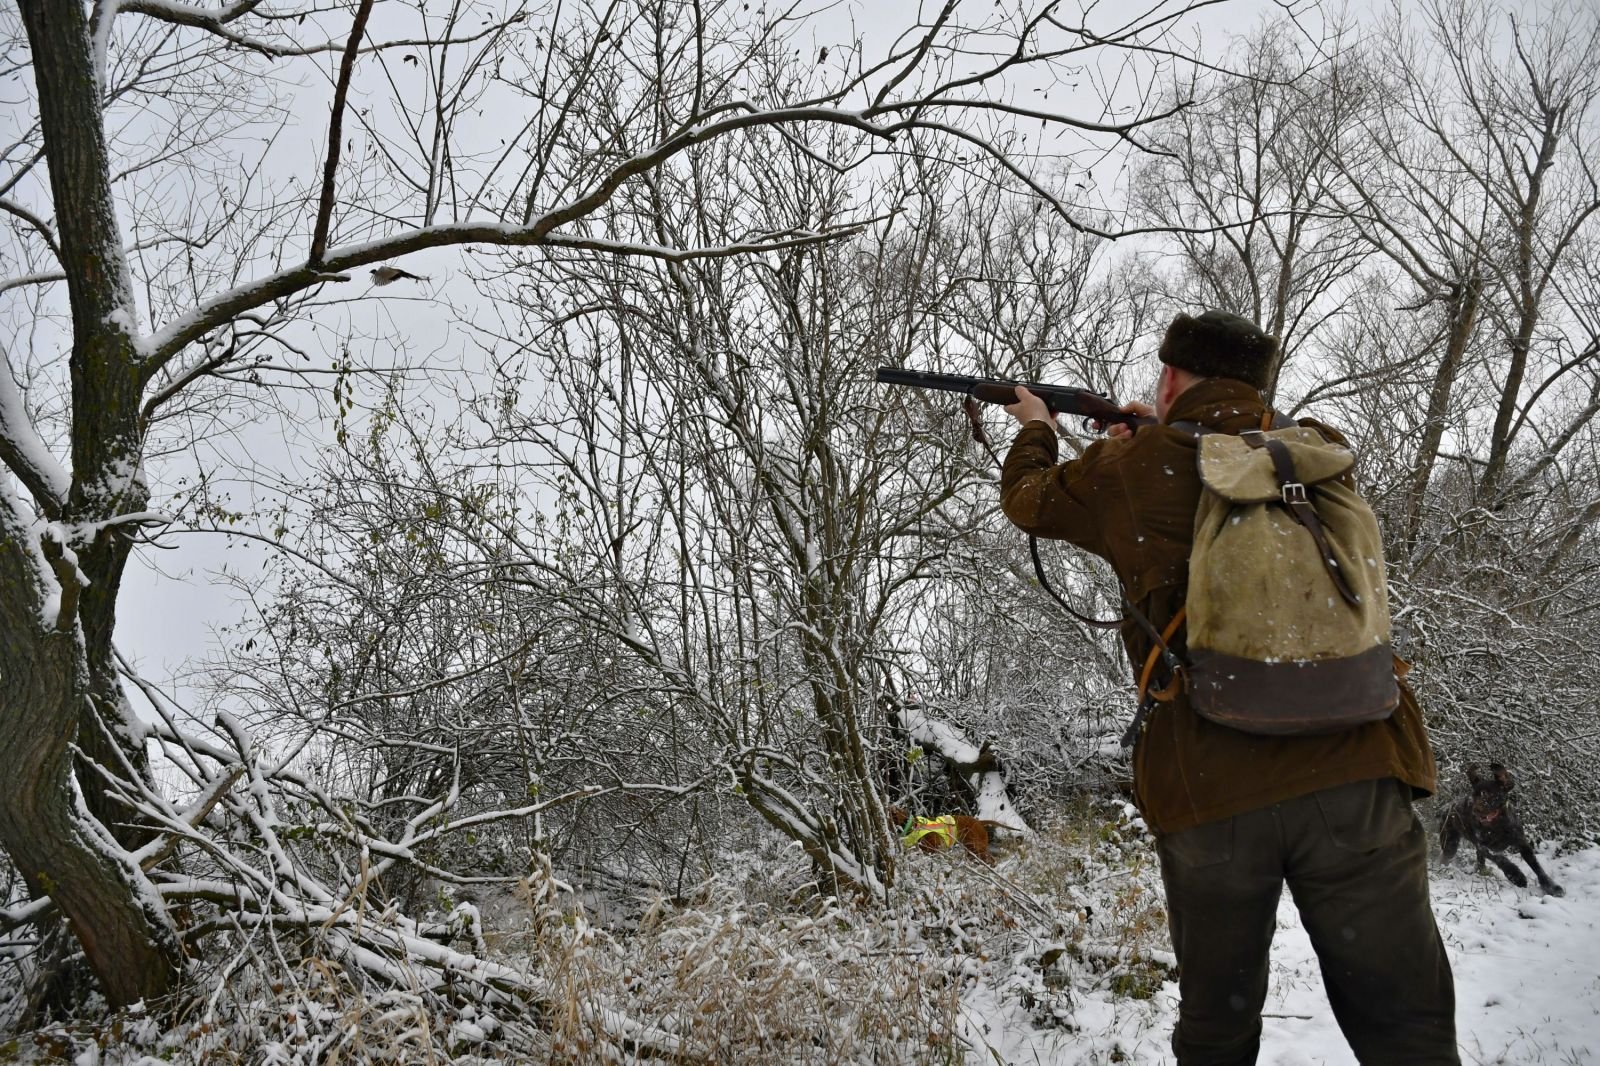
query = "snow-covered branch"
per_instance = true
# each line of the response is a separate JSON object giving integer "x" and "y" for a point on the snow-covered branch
{"x": 24, "y": 453}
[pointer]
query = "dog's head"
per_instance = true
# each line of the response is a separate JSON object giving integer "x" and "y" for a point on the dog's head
{"x": 1490, "y": 791}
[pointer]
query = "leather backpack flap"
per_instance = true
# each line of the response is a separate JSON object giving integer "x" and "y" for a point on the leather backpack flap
{"x": 1273, "y": 645}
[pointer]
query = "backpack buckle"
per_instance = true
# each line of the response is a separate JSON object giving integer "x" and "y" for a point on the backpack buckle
{"x": 1294, "y": 492}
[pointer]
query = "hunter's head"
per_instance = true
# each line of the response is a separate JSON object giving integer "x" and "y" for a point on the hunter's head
{"x": 1213, "y": 344}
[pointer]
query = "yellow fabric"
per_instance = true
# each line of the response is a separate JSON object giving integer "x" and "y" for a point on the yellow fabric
{"x": 944, "y": 826}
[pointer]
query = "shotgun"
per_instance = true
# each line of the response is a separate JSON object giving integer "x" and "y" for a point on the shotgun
{"x": 1061, "y": 399}
{"x": 1098, "y": 408}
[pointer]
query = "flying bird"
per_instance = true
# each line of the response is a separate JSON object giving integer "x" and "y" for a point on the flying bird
{"x": 386, "y": 275}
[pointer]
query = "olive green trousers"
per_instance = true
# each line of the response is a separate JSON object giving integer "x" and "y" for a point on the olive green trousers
{"x": 1355, "y": 860}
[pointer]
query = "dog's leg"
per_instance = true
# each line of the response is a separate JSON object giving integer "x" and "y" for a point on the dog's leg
{"x": 1514, "y": 875}
{"x": 1449, "y": 837}
{"x": 1538, "y": 871}
{"x": 1482, "y": 855}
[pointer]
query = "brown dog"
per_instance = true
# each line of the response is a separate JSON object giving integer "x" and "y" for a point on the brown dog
{"x": 1484, "y": 816}
{"x": 972, "y": 833}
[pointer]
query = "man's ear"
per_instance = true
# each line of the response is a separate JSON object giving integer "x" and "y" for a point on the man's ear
{"x": 1166, "y": 387}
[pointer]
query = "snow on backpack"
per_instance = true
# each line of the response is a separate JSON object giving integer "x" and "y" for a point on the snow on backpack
{"x": 1287, "y": 606}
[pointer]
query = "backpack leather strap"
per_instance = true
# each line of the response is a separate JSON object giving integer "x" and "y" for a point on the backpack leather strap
{"x": 1297, "y": 500}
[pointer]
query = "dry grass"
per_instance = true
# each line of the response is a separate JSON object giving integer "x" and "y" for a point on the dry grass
{"x": 1096, "y": 862}
{"x": 743, "y": 973}
{"x": 735, "y": 979}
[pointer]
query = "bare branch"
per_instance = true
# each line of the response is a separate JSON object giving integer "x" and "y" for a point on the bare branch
{"x": 330, "y": 169}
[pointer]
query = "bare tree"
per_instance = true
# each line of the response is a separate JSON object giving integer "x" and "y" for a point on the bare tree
{"x": 754, "y": 548}
{"x": 726, "y": 456}
{"x": 1473, "y": 175}
{"x": 1247, "y": 172}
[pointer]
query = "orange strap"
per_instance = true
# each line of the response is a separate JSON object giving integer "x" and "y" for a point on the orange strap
{"x": 1162, "y": 695}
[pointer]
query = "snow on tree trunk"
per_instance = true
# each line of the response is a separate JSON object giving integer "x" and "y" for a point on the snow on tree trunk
{"x": 979, "y": 766}
{"x": 59, "y": 848}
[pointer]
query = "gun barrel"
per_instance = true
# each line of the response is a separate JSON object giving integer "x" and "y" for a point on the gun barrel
{"x": 923, "y": 379}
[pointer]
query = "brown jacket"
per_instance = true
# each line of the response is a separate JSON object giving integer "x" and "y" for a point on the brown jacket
{"x": 1132, "y": 502}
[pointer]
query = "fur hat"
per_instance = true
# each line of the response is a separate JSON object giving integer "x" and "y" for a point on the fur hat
{"x": 1217, "y": 344}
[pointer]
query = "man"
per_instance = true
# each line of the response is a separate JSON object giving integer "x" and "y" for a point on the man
{"x": 1237, "y": 815}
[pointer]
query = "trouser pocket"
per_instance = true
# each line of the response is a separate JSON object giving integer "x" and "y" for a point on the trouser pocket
{"x": 1203, "y": 845}
{"x": 1366, "y": 815}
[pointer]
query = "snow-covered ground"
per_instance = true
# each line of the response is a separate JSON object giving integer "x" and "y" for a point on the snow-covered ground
{"x": 1527, "y": 970}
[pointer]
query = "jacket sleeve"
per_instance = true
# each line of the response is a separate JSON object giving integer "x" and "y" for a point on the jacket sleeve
{"x": 1060, "y": 501}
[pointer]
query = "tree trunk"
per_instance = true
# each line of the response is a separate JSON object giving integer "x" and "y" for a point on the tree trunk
{"x": 1463, "y": 320}
{"x": 55, "y": 655}
{"x": 1506, "y": 410}
{"x": 58, "y": 847}
{"x": 1525, "y": 294}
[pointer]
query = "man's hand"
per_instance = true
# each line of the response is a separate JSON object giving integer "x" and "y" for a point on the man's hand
{"x": 1029, "y": 407}
{"x": 1132, "y": 407}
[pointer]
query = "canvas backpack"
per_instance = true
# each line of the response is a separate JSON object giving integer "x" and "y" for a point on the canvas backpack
{"x": 1287, "y": 609}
